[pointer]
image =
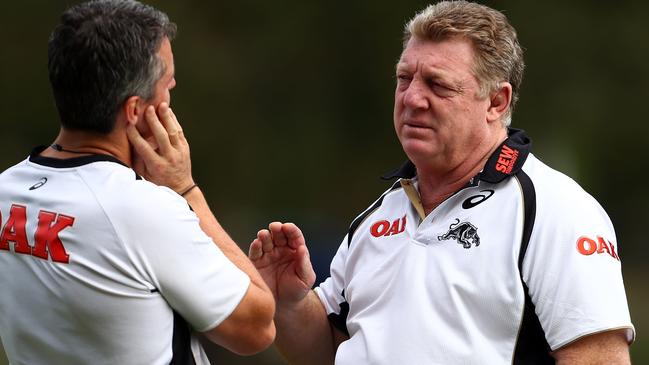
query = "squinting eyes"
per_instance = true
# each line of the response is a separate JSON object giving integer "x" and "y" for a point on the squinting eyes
{"x": 443, "y": 91}
{"x": 435, "y": 86}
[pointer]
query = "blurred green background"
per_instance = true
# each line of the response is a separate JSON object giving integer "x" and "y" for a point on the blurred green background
{"x": 288, "y": 109}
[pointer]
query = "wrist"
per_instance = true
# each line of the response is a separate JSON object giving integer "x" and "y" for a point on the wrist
{"x": 287, "y": 307}
{"x": 188, "y": 189}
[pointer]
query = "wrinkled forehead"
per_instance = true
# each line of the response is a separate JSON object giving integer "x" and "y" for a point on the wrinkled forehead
{"x": 451, "y": 53}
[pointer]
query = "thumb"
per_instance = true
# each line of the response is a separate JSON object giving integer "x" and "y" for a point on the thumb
{"x": 304, "y": 269}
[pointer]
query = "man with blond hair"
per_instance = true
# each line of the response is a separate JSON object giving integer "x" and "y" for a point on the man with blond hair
{"x": 479, "y": 253}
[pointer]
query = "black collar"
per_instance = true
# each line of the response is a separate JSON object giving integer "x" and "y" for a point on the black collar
{"x": 35, "y": 157}
{"x": 507, "y": 160}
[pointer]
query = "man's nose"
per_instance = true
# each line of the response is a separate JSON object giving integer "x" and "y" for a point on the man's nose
{"x": 415, "y": 96}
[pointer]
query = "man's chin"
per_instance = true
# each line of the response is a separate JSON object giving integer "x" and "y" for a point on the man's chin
{"x": 417, "y": 147}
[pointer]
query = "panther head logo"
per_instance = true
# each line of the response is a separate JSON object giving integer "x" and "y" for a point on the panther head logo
{"x": 464, "y": 233}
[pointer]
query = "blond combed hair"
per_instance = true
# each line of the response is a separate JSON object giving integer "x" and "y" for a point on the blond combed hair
{"x": 498, "y": 55}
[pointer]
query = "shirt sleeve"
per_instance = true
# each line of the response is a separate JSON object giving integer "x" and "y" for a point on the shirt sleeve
{"x": 572, "y": 268}
{"x": 332, "y": 290}
{"x": 182, "y": 262}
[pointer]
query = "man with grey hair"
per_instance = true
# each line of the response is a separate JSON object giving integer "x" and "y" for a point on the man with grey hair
{"x": 98, "y": 265}
{"x": 479, "y": 253}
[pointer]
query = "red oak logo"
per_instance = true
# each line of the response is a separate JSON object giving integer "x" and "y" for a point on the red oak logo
{"x": 47, "y": 243}
{"x": 385, "y": 228}
{"x": 588, "y": 246}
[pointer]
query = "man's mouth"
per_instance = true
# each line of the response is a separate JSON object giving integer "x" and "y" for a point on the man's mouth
{"x": 416, "y": 125}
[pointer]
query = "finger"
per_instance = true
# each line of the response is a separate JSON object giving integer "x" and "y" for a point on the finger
{"x": 266, "y": 240}
{"x": 140, "y": 145}
{"x": 255, "y": 252}
{"x": 158, "y": 131}
{"x": 179, "y": 128}
{"x": 175, "y": 120}
{"x": 164, "y": 112}
{"x": 151, "y": 141}
{"x": 293, "y": 234}
{"x": 139, "y": 166}
{"x": 183, "y": 145}
{"x": 279, "y": 238}
{"x": 304, "y": 269}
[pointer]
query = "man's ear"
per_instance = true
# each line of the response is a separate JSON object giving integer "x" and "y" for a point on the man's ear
{"x": 133, "y": 109}
{"x": 500, "y": 101}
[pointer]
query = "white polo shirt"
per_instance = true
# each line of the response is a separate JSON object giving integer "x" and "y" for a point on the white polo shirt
{"x": 100, "y": 267}
{"x": 519, "y": 262}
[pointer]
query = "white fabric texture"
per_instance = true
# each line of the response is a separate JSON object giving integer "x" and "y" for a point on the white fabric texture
{"x": 136, "y": 255}
{"x": 418, "y": 297}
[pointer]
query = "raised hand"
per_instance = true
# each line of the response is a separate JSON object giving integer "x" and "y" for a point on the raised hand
{"x": 280, "y": 255}
{"x": 164, "y": 158}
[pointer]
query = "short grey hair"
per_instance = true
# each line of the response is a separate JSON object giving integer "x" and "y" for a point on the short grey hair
{"x": 498, "y": 55}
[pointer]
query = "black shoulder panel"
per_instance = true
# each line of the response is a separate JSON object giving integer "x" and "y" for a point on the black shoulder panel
{"x": 340, "y": 320}
{"x": 357, "y": 222}
{"x": 532, "y": 348}
{"x": 181, "y": 343}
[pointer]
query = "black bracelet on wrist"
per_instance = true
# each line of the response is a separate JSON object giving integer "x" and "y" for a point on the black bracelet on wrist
{"x": 188, "y": 190}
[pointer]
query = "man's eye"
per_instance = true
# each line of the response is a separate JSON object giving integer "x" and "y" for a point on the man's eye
{"x": 403, "y": 80}
{"x": 442, "y": 89}
{"x": 439, "y": 87}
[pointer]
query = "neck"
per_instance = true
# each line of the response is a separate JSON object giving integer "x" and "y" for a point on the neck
{"x": 437, "y": 184}
{"x": 69, "y": 144}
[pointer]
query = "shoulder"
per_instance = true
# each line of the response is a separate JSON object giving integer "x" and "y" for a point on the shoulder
{"x": 13, "y": 172}
{"x": 572, "y": 241}
{"x": 394, "y": 192}
{"x": 126, "y": 197}
{"x": 568, "y": 219}
{"x": 558, "y": 195}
